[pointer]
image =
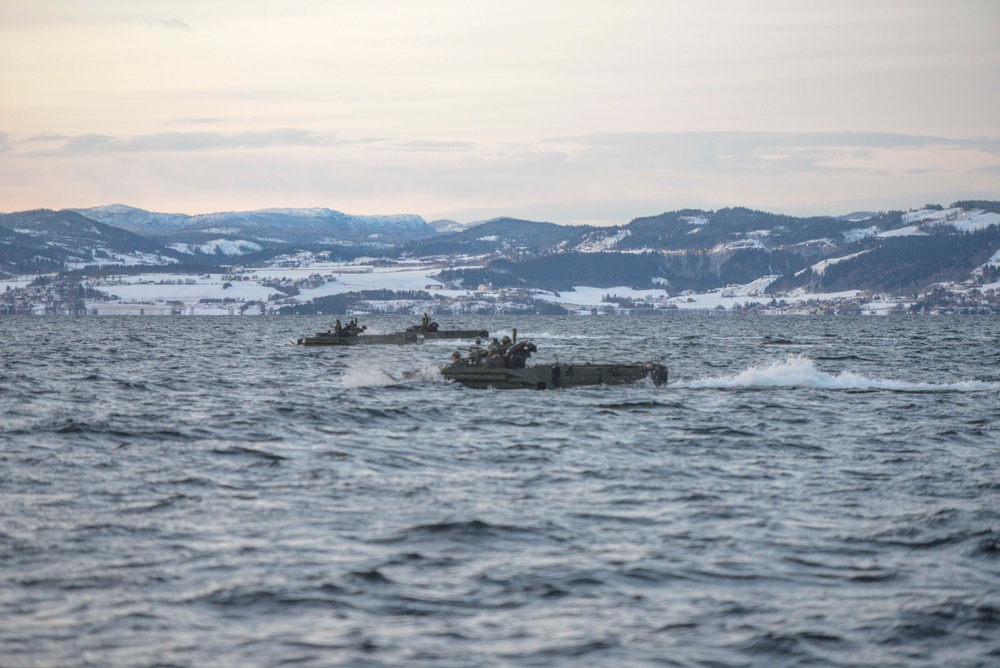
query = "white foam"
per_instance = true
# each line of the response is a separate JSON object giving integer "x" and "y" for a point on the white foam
{"x": 366, "y": 377}
{"x": 799, "y": 371}
{"x": 429, "y": 373}
{"x": 374, "y": 377}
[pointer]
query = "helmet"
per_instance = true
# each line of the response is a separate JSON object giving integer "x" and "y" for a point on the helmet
{"x": 505, "y": 339}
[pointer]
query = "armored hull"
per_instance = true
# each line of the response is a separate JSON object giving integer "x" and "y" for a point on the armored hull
{"x": 550, "y": 376}
{"x": 455, "y": 334}
{"x": 328, "y": 339}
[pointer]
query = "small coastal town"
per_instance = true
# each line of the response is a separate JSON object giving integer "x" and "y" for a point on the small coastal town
{"x": 414, "y": 288}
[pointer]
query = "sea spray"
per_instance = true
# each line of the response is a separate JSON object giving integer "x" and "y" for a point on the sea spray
{"x": 371, "y": 376}
{"x": 800, "y": 371}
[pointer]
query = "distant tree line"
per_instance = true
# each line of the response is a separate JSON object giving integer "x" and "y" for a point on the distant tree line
{"x": 985, "y": 205}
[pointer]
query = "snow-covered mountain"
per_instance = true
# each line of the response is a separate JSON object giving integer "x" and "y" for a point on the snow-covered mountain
{"x": 135, "y": 220}
{"x": 46, "y": 240}
{"x": 266, "y": 227}
{"x": 895, "y": 251}
{"x": 446, "y": 225}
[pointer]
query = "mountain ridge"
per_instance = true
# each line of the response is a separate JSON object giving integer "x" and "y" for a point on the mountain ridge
{"x": 687, "y": 249}
{"x": 283, "y": 225}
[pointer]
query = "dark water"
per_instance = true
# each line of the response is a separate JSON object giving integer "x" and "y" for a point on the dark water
{"x": 195, "y": 492}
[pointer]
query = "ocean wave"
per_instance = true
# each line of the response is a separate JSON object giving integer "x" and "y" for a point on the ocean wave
{"x": 349, "y": 506}
{"x": 800, "y": 371}
{"x": 466, "y": 532}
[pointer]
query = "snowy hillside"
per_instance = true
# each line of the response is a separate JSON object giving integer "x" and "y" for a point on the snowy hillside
{"x": 264, "y": 226}
{"x": 133, "y": 219}
{"x": 960, "y": 219}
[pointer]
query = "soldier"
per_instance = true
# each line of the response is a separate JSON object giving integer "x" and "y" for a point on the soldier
{"x": 338, "y": 328}
{"x": 456, "y": 358}
{"x": 519, "y": 354}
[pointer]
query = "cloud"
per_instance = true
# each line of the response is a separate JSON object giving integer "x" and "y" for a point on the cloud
{"x": 4, "y": 142}
{"x": 46, "y": 137}
{"x": 193, "y": 141}
{"x": 757, "y": 152}
{"x": 89, "y": 143}
{"x": 420, "y": 145}
{"x": 917, "y": 172}
{"x": 764, "y": 140}
{"x": 199, "y": 121}
{"x": 595, "y": 178}
{"x": 172, "y": 24}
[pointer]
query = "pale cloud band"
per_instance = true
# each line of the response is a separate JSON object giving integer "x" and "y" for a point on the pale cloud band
{"x": 600, "y": 178}
{"x": 689, "y": 147}
{"x": 190, "y": 141}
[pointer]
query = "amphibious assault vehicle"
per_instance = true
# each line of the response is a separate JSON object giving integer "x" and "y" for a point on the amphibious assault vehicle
{"x": 352, "y": 334}
{"x": 431, "y": 330}
{"x": 502, "y": 365}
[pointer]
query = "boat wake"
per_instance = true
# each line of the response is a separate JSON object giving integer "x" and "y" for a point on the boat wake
{"x": 375, "y": 377}
{"x": 799, "y": 371}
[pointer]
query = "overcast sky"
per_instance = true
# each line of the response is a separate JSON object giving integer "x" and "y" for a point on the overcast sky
{"x": 567, "y": 111}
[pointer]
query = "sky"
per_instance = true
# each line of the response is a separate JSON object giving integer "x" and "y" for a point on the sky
{"x": 567, "y": 111}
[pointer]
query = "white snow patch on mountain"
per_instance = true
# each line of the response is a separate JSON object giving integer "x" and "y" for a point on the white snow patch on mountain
{"x": 908, "y": 231}
{"x": 603, "y": 244}
{"x": 124, "y": 259}
{"x": 960, "y": 219}
{"x": 446, "y": 226}
{"x": 860, "y": 233}
{"x": 752, "y": 289}
{"x": 929, "y": 215}
{"x": 820, "y": 267}
{"x": 824, "y": 241}
{"x": 859, "y": 216}
{"x": 739, "y": 244}
{"x": 971, "y": 221}
{"x": 223, "y": 246}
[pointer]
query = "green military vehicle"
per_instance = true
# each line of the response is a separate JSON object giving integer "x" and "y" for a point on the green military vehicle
{"x": 352, "y": 334}
{"x": 429, "y": 329}
{"x": 503, "y": 365}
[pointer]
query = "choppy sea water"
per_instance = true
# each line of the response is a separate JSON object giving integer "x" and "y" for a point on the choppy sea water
{"x": 195, "y": 491}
